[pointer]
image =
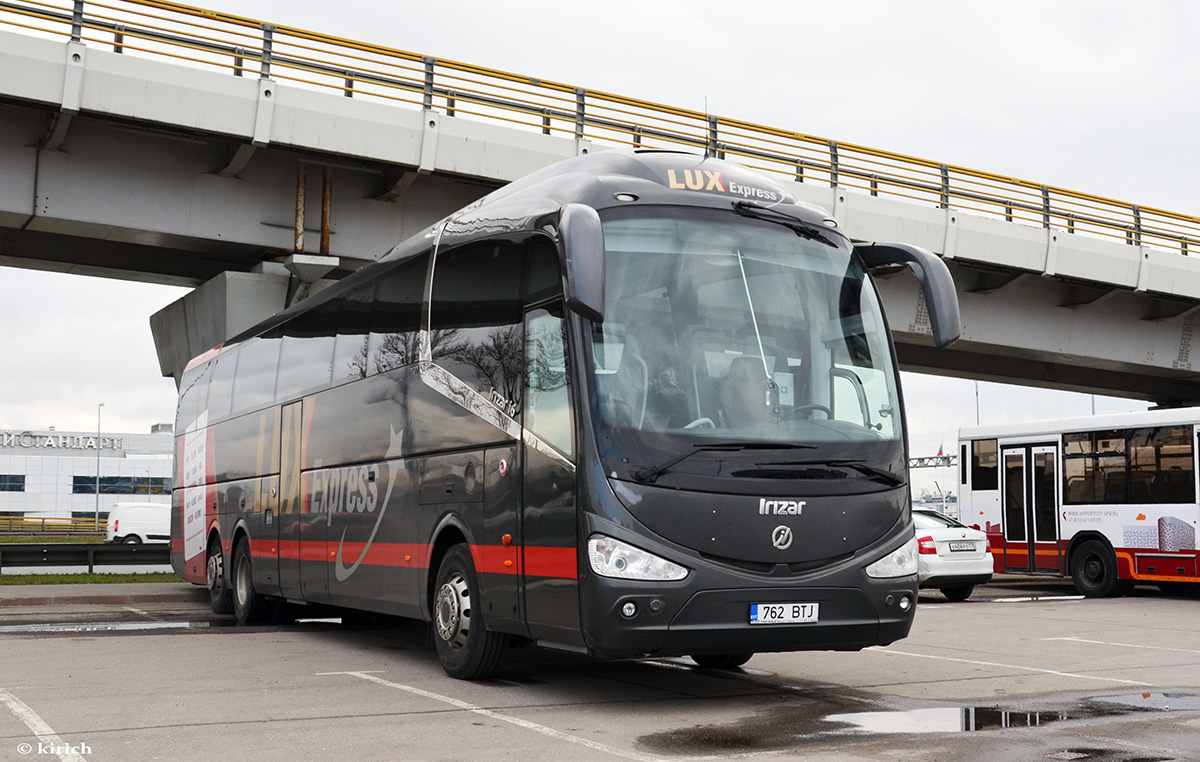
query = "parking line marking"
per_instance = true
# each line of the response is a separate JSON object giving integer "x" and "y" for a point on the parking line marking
{"x": 1038, "y": 598}
{"x": 534, "y": 726}
{"x": 43, "y": 731}
{"x": 1055, "y": 672}
{"x": 1128, "y": 645}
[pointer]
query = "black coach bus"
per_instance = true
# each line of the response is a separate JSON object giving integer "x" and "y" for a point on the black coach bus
{"x": 637, "y": 403}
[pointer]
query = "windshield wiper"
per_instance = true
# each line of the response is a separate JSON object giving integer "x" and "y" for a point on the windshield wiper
{"x": 879, "y": 474}
{"x": 650, "y": 474}
{"x": 799, "y": 226}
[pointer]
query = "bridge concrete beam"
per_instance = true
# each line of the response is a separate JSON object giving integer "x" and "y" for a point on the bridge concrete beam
{"x": 1033, "y": 333}
{"x": 177, "y": 174}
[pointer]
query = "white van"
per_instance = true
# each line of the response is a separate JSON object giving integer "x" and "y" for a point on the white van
{"x": 139, "y": 522}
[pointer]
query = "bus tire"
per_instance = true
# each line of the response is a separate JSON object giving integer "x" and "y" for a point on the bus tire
{"x": 958, "y": 594}
{"x": 219, "y": 594}
{"x": 249, "y": 607}
{"x": 721, "y": 661}
{"x": 1094, "y": 569}
{"x": 464, "y": 646}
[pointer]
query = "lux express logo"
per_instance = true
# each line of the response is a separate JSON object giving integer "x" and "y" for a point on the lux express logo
{"x": 706, "y": 180}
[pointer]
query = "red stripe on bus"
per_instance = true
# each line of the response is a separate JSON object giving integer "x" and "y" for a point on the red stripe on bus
{"x": 492, "y": 559}
{"x": 497, "y": 559}
{"x": 402, "y": 554}
{"x": 551, "y": 562}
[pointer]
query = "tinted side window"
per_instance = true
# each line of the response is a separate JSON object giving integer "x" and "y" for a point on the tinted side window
{"x": 1148, "y": 465}
{"x": 220, "y": 390}
{"x": 354, "y": 326}
{"x": 254, "y": 382}
{"x": 542, "y": 278}
{"x": 475, "y": 320}
{"x": 396, "y": 316}
{"x": 193, "y": 394}
{"x": 548, "y": 397}
{"x": 984, "y": 471}
{"x": 306, "y": 355}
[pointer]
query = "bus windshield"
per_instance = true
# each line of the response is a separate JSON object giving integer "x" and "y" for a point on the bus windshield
{"x": 723, "y": 329}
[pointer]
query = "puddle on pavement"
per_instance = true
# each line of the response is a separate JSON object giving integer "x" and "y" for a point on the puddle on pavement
{"x": 810, "y": 720}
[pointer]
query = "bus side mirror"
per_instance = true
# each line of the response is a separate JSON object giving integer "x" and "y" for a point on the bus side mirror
{"x": 941, "y": 300}
{"x": 582, "y": 241}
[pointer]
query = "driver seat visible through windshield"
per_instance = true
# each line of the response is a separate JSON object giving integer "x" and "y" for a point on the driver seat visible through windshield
{"x": 745, "y": 395}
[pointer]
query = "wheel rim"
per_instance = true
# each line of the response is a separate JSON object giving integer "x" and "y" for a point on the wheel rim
{"x": 453, "y": 608}
{"x": 1093, "y": 569}
{"x": 214, "y": 570}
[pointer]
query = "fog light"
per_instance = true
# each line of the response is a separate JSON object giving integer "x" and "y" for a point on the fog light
{"x": 628, "y": 609}
{"x": 905, "y": 603}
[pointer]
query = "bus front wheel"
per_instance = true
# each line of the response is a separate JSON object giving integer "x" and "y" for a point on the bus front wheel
{"x": 1094, "y": 569}
{"x": 219, "y": 594}
{"x": 721, "y": 661}
{"x": 464, "y": 646}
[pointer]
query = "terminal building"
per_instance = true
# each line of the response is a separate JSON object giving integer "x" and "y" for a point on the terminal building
{"x": 68, "y": 474}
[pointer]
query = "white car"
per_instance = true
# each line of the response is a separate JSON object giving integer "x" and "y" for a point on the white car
{"x": 951, "y": 557}
{"x": 134, "y": 523}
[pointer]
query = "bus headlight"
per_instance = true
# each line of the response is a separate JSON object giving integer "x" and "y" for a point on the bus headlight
{"x": 613, "y": 558}
{"x": 899, "y": 563}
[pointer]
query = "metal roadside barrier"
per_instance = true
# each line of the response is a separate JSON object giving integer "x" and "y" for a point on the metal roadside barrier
{"x": 82, "y": 554}
{"x": 26, "y": 525}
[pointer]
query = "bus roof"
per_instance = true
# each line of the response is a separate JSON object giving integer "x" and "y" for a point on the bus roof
{"x": 1100, "y": 421}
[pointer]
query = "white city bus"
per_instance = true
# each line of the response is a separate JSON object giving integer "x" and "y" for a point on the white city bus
{"x": 1109, "y": 500}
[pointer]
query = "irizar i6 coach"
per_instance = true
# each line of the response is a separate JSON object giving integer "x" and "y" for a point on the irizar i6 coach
{"x": 637, "y": 403}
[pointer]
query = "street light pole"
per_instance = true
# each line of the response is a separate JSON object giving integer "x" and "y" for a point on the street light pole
{"x": 97, "y": 517}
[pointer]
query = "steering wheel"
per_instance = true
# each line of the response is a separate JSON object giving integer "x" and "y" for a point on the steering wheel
{"x": 701, "y": 423}
{"x": 796, "y": 411}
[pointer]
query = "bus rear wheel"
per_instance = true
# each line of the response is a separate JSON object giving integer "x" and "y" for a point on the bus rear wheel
{"x": 219, "y": 594}
{"x": 249, "y": 606}
{"x": 1094, "y": 570}
{"x": 721, "y": 661}
{"x": 464, "y": 646}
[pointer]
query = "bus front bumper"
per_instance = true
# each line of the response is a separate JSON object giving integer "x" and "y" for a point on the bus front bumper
{"x": 718, "y": 621}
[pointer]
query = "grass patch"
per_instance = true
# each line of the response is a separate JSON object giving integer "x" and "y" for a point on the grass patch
{"x": 86, "y": 579}
{"x": 50, "y": 539}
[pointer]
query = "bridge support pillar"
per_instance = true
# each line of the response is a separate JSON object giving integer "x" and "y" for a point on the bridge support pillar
{"x": 216, "y": 311}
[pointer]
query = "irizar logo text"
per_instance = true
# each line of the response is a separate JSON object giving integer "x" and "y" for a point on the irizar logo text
{"x": 780, "y": 507}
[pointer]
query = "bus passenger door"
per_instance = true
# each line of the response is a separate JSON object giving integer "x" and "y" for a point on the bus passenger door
{"x": 299, "y": 545}
{"x": 548, "y": 532}
{"x": 1029, "y": 495}
{"x": 266, "y": 562}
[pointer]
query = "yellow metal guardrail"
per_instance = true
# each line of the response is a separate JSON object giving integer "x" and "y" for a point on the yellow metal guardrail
{"x": 51, "y": 525}
{"x": 248, "y": 47}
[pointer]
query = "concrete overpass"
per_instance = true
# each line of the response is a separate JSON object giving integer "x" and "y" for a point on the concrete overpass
{"x": 153, "y": 141}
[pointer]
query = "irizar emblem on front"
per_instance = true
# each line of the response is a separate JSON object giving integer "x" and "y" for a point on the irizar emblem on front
{"x": 780, "y": 507}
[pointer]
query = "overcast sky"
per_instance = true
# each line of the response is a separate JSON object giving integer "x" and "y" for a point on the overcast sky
{"x": 1092, "y": 95}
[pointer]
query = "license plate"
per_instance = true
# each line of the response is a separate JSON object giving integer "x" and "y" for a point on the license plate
{"x": 962, "y": 546}
{"x": 782, "y": 613}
